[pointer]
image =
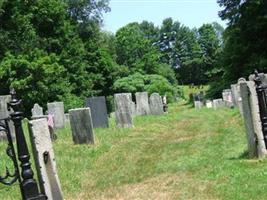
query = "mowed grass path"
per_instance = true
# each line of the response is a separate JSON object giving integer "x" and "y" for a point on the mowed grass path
{"x": 185, "y": 154}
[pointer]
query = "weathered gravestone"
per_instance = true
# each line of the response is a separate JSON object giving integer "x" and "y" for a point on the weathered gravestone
{"x": 239, "y": 100}
{"x": 98, "y": 109}
{"x": 234, "y": 90}
{"x": 45, "y": 159}
{"x": 156, "y": 105}
{"x": 218, "y": 103}
{"x": 57, "y": 110}
{"x": 67, "y": 118}
{"x": 37, "y": 111}
{"x": 81, "y": 126}
{"x": 123, "y": 110}
{"x": 198, "y": 104}
{"x": 209, "y": 104}
{"x": 228, "y": 98}
{"x": 4, "y": 113}
{"x": 142, "y": 105}
{"x": 255, "y": 138}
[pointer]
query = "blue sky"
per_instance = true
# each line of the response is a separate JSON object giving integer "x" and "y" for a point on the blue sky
{"x": 192, "y": 13}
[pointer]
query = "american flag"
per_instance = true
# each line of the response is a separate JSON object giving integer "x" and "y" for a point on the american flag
{"x": 50, "y": 120}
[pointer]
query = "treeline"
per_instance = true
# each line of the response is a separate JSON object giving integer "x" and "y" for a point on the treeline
{"x": 55, "y": 50}
{"x": 245, "y": 41}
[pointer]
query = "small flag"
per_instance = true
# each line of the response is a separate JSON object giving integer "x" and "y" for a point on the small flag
{"x": 50, "y": 120}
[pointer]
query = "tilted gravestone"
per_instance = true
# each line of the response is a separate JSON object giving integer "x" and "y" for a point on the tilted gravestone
{"x": 57, "y": 110}
{"x": 156, "y": 105}
{"x": 142, "y": 106}
{"x": 218, "y": 103}
{"x": 37, "y": 111}
{"x": 44, "y": 159}
{"x": 250, "y": 103}
{"x": 81, "y": 126}
{"x": 98, "y": 109}
{"x": 123, "y": 110}
{"x": 4, "y": 113}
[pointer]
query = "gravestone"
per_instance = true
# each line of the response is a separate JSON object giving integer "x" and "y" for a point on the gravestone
{"x": 156, "y": 105}
{"x": 142, "y": 106}
{"x": 209, "y": 104}
{"x": 57, "y": 110}
{"x": 98, "y": 109}
{"x": 37, "y": 111}
{"x": 4, "y": 113}
{"x": 218, "y": 103}
{"x": 67, "y": 118}
{"x": 198, "y": 104}
{"x": 239, "y": 100}
{"x": 255, "y": 138}
{"x": 81, "y": 126}
{"x": 234, "y": 91}
{"x": 44, "y": 159}
{"x": 228, "y": 98}
{"x": 123, "y": 110}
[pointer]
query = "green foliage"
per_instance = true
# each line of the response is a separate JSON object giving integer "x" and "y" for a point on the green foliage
{"x": 245, "y": 39}
{"x": 37, "y": 77}
{"x": 149, "y": 83}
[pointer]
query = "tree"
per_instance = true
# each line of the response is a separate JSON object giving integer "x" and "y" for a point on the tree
{"x": 245, "y": 38}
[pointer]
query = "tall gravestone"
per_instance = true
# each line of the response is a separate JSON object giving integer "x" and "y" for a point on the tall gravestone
{"x": 142, "y": 105}
{"x": 123, "y": 110}
{"x": 4, "y": 113}
{"x": 45, "y": 159}
{"x": 81, "y": 126}
{"x": 156, "y": 105}
{"x": 250, "y": 103}
{"x": 57, "y": 110}
{"x": 98, "y": 109}
{"x": 234, "y": 91}
{"x": 239, "y": 100}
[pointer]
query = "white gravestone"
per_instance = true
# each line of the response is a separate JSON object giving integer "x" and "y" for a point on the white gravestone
{"x": 209, "y": 104}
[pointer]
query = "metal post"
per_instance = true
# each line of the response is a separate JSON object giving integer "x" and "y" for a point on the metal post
{"x": 261, "y": 93}
{"x": 28, "y": 184}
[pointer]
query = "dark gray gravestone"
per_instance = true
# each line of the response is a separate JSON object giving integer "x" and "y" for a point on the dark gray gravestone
{"x": 81, "y": 126}
{"x": 98, "y": 109}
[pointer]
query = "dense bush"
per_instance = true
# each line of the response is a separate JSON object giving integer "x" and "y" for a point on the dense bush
{"x": 149, "y": 83}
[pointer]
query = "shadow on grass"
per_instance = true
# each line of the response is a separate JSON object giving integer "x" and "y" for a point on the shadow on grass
{"x": 242, "y": 156}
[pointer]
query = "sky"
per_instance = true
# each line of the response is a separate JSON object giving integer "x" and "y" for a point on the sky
{"x": 192, "y": 13}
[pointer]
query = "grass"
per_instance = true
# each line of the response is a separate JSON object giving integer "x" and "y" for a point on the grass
{"x": 186, "y": 154}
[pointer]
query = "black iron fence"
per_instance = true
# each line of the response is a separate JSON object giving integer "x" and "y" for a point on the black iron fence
{"x": 22, "y": 171}
{"x": 261, "y": 89}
